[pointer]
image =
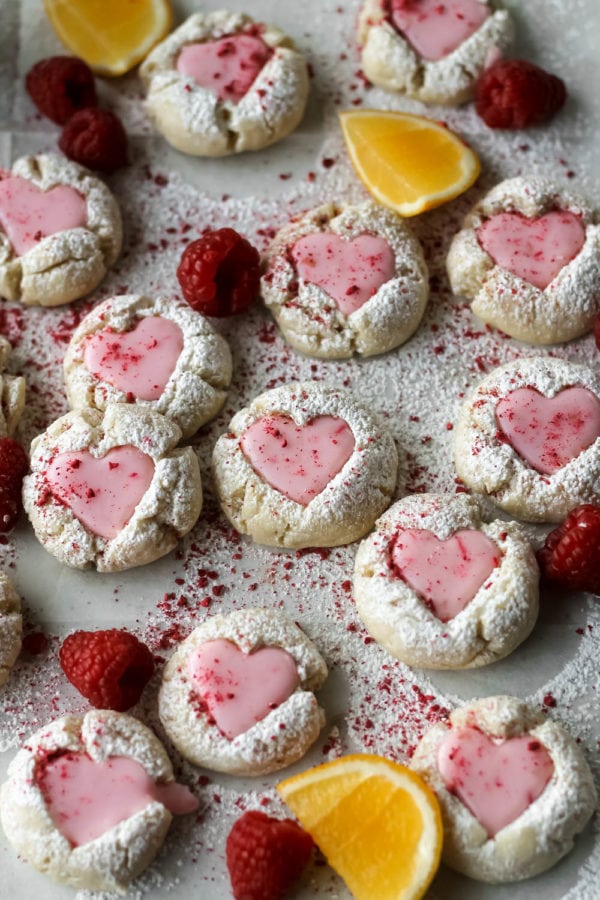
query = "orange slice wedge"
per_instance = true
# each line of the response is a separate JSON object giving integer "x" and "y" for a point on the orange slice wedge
{"x": 377, "y": 822}
{"x": 112, "y": 36}
{"x": 407, "y": 162}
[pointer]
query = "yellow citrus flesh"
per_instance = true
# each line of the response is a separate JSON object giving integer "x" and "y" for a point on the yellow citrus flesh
{"x": 377, "y": 822}
{"x": 407, "y": 162}
{"x": 112, "y": 36}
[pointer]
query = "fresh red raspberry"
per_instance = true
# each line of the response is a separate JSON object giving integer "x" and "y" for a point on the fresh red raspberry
{"x": 265, "y": 856}
{"x": 571, "y": 555}
{"x": 514, "y": 93}
{"x": 95, "y": 138}
{"x": 60, "y": 85}
{"x": 14, "y": 466}
{"x": 110, "y": 668}
{"x": 219, "y": 274}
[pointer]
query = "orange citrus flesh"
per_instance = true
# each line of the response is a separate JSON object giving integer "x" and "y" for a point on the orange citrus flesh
{"x": 407, "y": 162}
{"x": 376, "y": 821}
{"x": 112, "y": 36}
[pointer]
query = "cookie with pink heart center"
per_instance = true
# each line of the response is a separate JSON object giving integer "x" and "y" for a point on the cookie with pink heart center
{"x": 28, "y": 213}
{"x": 228, "y": 66}
{"x": 435, "y": 29}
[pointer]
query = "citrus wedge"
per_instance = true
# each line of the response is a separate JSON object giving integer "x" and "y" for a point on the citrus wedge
{"x": 378, "y": 824}
{"x": 407, "y": 162}
{"x": 112, "y": 36}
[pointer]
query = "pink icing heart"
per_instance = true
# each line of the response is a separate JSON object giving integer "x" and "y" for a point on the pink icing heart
{"x": 548, "y": 432}
{"x": 85, "y": 798}
{"x": 299, "y": 461}
{"x": 447, "y": 573}
{"x": 28, "y": 214}
{"x": 102, "y": 493}
{"x": 533, "y": 249}
{"x": 349, "y": 271}
{"x": 496, "y": 780}
{"x": 138, "y": 362}
{"x": 240, "y": 689}
{"x": 228, "y": 66}
{"x": 436, "y": 29}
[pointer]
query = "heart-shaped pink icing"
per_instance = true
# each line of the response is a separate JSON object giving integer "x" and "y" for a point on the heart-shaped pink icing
{"x": 548, "y": 432}
{"x": 350, "y": 272}
{"x": 239, "y": 689}
{"x": 497, "y": 780}
{"x": 435, "y": 29}
{"x": 138, "y": 362}
{"x": 102, "y": 493}
{"x": 228, "y": 66}
{"x": 533, "y": 249}
{"x": 28, "y": 214}
{"x": 447, "y": 574}
{"x": 85, "y": 798}
{"x": 299, "y": 461}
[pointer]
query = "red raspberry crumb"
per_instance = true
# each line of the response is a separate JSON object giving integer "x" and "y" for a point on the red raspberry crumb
{"x": 219, "y": 274}
{"x": 571, "y": 552}
{"x": 14, "y": 466}
{"x": 110, "y": 668}
{"x": 514, "y": 93}
{"x": 59, "y": 86}
{"x": 265, "y": 856}
{"x": 95, "y": 138}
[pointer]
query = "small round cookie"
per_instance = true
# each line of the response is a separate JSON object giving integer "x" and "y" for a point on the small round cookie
{"x": 154, "y": 352}
{"x": 441, "y": 589}
{"x": 528, "y": 259}
{"x": 514, "y": 788}
{"x": 60, "y": 231}
{"x": 346, "y": 279}
{"x": 432, "y": 51}
{"x": 109, "y": 489}
{"x": 528, "y": 437}
{"x": 238, "y": 695}
{"x": 11, "y": 627}
{"x": 304, "y": 466}
{"x": 222, "y": 83}
{"x": 12, "y": 394}
{"x": 89, "y": 800}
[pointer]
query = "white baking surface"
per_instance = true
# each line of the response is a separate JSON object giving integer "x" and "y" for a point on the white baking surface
{"x": 372, "y": 703}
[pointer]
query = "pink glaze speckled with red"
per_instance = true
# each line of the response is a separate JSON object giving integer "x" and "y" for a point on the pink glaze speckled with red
{"x": 228, "y": 67}
{"x": 28, "y": 214}
{"x": 435, "y": 29}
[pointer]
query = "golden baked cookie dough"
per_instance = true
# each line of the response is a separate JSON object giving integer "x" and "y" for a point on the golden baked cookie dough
{"x": 11, "y": 627}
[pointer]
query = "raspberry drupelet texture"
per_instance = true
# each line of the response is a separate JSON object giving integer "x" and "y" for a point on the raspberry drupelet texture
{"x": 514, "y": 93}
{"x": 110, "y": 668}
{"x": 60, "y": 86}
{"x": 14, "y": 466}
{"x": 571, "y": 555}
{"x": 95, "y": 138}
{"x": 219, "y": 273}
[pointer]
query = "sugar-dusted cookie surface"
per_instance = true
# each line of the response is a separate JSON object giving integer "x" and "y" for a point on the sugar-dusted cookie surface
{"x": 345, "y": 279}
{"x": 304, "y": 466}
{"x": 513, "y": 786}
{"x": 125, "y": 776}
{"x": 154, "y": 352}
{"x": 439, "y": 588}
{"x": 238, "y": 695}
{"x": 528, "y": 259}
{"x": 431, "y": 51}
{"x": 222, "y": 83}
{"x": 528, "y": 437}
{"x": 12, "y": 394}
{"x": 11, "y": 627}
{"x": 60, "y": 231}
{"x": 110, "y": 489}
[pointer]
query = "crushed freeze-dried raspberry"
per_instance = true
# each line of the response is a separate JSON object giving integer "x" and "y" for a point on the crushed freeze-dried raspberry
{"x": 265, "y": 856}
{"x": 110, "y": 668}
{"x": 571, "y": 553}
{"x": 95, "y": 138}
{"x": 219, "y": 274}
{"x": 61, "y": 85}
{"x": 514, "y": 93}
{"x": 14, "y": 466}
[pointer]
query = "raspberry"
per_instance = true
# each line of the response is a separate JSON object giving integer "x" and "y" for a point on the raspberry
{"x": 265, "y": 856}
{"x": 14, "y": 466}
{"x": 219, "y": 274}
{"x": 110, "y": 668}
{"x": 95, "y": 138}
{"x": 597, "y": 332}
{"x": 514, "y": 93}
{"x": 571, "y": 552}
{"x": 59, "y": 86}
